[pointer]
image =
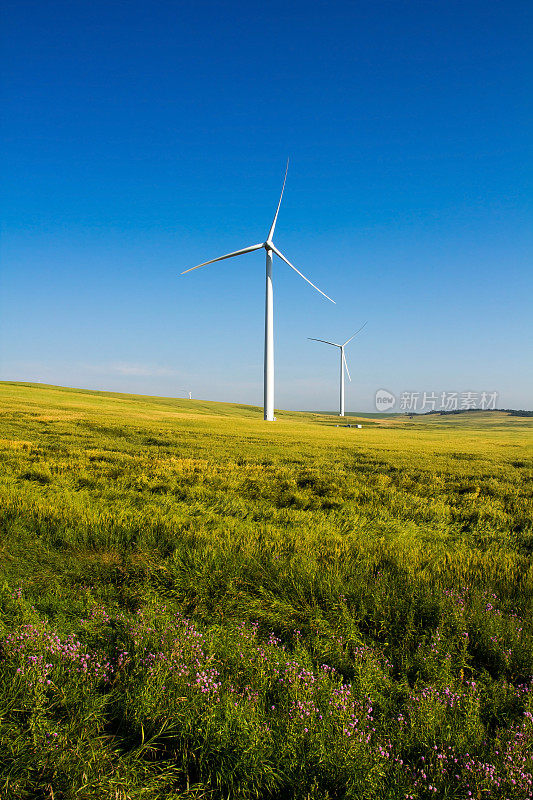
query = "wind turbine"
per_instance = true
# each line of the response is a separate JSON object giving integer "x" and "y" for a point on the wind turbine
{"x": 344, "y": 364}
{"x": 270, "y": 248}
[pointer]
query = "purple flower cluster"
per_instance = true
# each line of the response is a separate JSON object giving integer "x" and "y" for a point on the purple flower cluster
{"x": 41, "y": 655}
{"x": 476, "y": 776}
{"x": 163, "y": 663}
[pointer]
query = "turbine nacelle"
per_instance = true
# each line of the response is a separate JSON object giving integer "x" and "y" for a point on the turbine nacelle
{"x": 269, "y": 246}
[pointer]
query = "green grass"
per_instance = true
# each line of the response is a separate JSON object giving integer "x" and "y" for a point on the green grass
{"x": 199, "y": 604}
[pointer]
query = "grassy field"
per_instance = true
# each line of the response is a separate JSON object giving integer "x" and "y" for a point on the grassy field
{"x": 196, "y": 604}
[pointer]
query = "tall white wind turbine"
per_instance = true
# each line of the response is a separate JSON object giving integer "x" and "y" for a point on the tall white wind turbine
{"x": 344, "y": 364}
{"x": 270, "y": 248}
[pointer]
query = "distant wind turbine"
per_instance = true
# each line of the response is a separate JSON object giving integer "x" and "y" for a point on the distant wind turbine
{"x": 269, "y": 298}
{"x": 344, "y": 364}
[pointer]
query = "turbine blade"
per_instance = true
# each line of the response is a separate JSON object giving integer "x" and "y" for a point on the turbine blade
{"x": 325, "y": 342}
{"x": 229, "y": 255}
{"x": 271, "y": 231}
{"x": 277, "y": 252}
{"x": 346, "y": 365}
{"x": 355, "y": 334}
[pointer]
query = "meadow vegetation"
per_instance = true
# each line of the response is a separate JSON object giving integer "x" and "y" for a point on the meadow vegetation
{"x": 197, "y": 604}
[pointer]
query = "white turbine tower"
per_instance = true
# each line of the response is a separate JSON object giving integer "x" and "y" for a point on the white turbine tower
{"x": 344, "y": 364}
{"x": 270, "y": 248}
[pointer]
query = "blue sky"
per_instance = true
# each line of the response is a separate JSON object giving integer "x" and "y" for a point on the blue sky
{"x": 142, "y": 138}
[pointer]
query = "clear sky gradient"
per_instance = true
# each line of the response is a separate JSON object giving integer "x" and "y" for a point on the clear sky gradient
{"x": 141, "y": 138}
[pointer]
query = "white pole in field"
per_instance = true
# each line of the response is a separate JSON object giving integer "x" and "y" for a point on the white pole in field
{"x": 269, "y": 342}
{"x": 341, "y": 412}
